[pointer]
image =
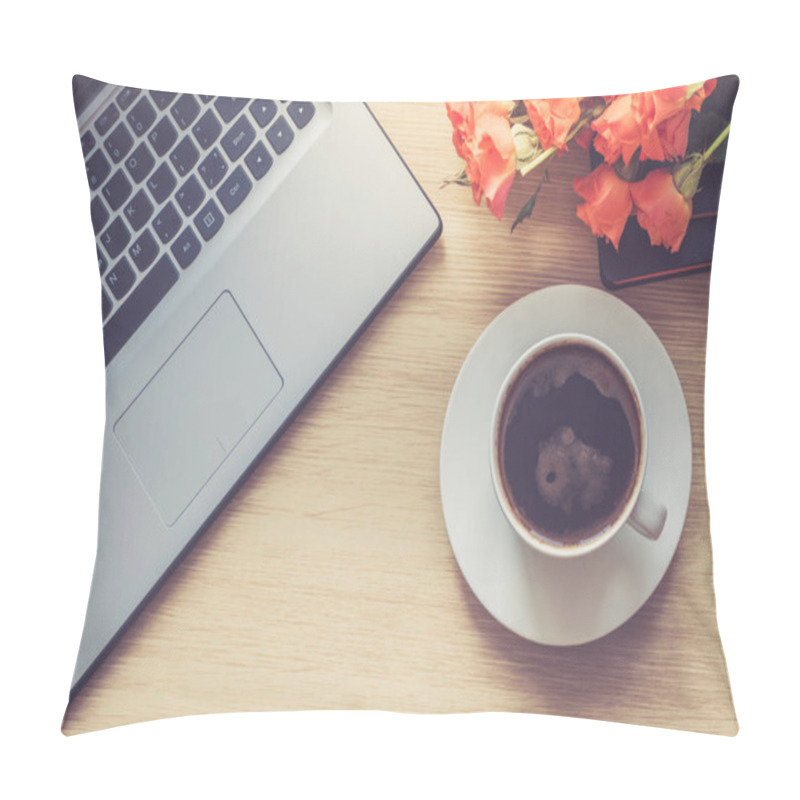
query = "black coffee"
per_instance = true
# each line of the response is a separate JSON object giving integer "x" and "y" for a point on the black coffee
{"x": 569, "y": 441}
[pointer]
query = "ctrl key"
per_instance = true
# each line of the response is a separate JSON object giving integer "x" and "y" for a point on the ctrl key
{"x": 234, "y": 189}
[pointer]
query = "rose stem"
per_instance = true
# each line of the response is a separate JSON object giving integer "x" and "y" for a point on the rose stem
{"x": 716, "y": 143}
{"x": 586, "y": 117}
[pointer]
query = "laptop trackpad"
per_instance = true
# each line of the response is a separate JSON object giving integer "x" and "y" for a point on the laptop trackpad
{"x": 197, "y": 407}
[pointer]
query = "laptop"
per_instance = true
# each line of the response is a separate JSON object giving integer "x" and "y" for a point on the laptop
{"x": 243, "y": 245}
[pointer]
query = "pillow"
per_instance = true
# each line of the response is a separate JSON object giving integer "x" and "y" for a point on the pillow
{"x": 349, "y": 466}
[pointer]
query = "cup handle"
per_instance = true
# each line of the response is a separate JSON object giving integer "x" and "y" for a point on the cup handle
{"x": 648, "y": 517}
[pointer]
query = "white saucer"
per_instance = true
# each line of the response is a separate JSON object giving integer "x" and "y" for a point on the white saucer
{"x": 542, "y": 598}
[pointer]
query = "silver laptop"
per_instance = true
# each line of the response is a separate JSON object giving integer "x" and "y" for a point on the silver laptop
{"x": 242, "y": 246}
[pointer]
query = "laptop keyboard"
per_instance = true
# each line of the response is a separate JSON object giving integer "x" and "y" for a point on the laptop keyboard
{"x": 165, "y": 171}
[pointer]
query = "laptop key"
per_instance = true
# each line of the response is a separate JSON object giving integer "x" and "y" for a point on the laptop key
{"x": 184, "y": 156}
{"x": 97, "y": 169}
{"x": 167, "y": 223}
{"x": 107, "y": 119}
{"x": 238, "y": 138}
{"x": 190, "y": 195}
{"x": 209, "y": 220}
{"x": 280, "y": 135}
{"x": 140, "y": 162}
{"x": 301, "y": 113}
{"x": 186, "y": 247}
{"x": 163, "y": 99}
{"x": 101, "y": 260}
{"x": 161, "y": 183}
{"x": 229, "y": 107}
{"x": 117, "y": 190}
{"x": 258, "y": 161}
{"x": 121, "y": 278}
{"x": 144, "y": 250}
{"x": 185, "y": 110}
{"x": 119, "y": 143}
{"x": 163, "y": 136}
{"x": 207, "y": 129}
{"x": 127, "y": 96}
{"x": 139, "y": 210}
{"x": 138, "y": 306}
{"x": 99, "y": 214}
{"x": 263, "y": 112}
{"x": 234, "y": 190}
{"x": 87, "y": 143}
{"x": 213, "y": 168}
{"x": 106, "y": 304}
{"x": 141, "y": 116}
{"x": 115, "y": 237}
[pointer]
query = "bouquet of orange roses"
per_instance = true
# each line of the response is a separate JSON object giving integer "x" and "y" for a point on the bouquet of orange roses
{"x": 642, "y": 139}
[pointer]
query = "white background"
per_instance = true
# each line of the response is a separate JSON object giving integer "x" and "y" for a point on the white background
{"x": 52, "y": 404}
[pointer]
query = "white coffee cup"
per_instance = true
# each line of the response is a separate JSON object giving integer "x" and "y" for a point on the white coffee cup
{"x": 643, "y": 513}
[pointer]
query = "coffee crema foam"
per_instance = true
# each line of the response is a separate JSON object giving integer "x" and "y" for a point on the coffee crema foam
{"x": 570, "y": 443}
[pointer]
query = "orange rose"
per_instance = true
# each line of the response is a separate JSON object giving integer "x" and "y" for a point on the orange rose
{"x": 661, "y": 209}
{"x": 672, "y": 136}
{"x": 658, "y": 122}
{"x": 619, "y": 129}
{"x": 553, "y": 119}
{"x": 671, "y": 118}
{"x": 482, "y": 137}
{"x": 608, "y": 202}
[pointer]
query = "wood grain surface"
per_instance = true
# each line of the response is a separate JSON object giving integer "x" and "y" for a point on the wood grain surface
{"x": 329, "y": 583}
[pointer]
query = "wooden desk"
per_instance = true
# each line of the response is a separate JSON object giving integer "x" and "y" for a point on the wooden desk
{"x": 329, "y": 582}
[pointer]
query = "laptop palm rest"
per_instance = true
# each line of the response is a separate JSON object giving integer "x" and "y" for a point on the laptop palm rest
{"x": 197, "y": 407}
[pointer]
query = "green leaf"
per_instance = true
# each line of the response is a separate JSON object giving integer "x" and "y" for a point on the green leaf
{"x": 460, "y": 178}
{"x": 527, "y": 209}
